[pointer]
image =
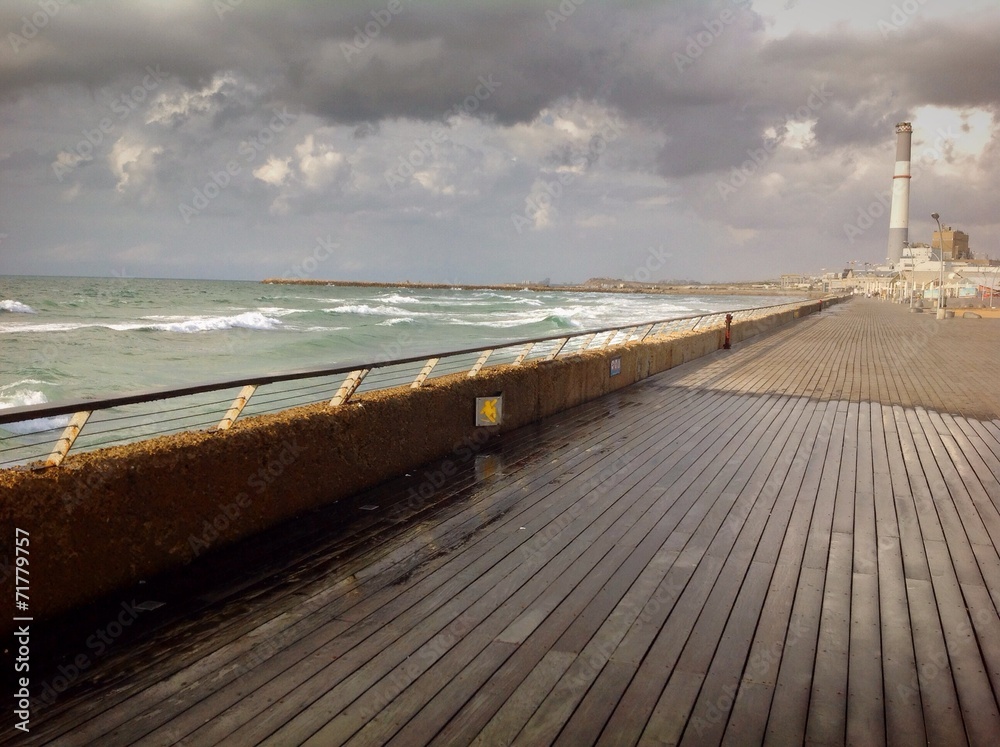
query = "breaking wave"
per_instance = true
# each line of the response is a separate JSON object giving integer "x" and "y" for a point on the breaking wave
{"x": 16, "y": 307}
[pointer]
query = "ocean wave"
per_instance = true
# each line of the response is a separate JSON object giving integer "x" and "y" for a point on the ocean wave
{"x": 397, "y": 299}
{"x": 191, "y": 325}
{"x": 179, "y": 324}
{"x": 397, "y": 320}
{"x": 280, "y": 311}
{"x": 550, "y": 318}
{"x": 16, "y": 307}
{"x": 10, "y": 397}
{"x": 23, "y": 382}
{"x": 364, "y": 309}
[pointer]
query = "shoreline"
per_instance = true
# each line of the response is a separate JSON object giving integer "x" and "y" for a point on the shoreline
{"x": 718, "y": 289}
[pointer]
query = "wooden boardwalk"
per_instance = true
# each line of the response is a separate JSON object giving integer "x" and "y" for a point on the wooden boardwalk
{"x": 791, "y": 542}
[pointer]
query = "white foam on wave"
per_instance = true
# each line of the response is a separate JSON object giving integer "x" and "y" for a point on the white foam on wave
{"x": 190, "y": 325}
{"x": 12, "y": 396}
{"x": 51, "y": 327}
{"x": 397, "y": 299}
{"x": 559, "y": 317}
{"x": 364, "y": 309}
{"x": 280, "y": 311}
{"x": 181, "y": 324}
{"x": 16, "y": 307}
{"x": 397, "y": 320}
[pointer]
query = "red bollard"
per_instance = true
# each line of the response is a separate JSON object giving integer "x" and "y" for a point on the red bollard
{"x": 729, "y": 323}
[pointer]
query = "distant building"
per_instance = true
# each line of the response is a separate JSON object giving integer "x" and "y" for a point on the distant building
{"x": 793, "y": 280}
{"x": 956, "y": 243}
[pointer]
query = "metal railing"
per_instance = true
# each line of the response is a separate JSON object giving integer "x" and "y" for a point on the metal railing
{"x": 42, "y": 435}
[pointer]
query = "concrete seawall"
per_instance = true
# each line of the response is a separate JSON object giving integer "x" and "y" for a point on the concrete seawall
{"x": 106, "y": 519}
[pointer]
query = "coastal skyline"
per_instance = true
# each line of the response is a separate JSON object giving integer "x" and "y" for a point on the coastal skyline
{"x": 487, "y": 141}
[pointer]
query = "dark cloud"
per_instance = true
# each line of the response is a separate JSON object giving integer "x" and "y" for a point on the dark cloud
{"x": 377, "y": 88}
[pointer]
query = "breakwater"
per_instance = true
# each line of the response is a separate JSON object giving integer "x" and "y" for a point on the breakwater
{"x": 106, "y": 519}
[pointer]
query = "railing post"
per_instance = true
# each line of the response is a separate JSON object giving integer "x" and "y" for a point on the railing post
{"x": 424, "y": 373}
{"x": 729, "y": 323}
{"x": 560, "y": 344}
{"x": 349, "y": 387}
{"x": 524, "y": 354}
{"x": 480, "y": 363}
{"x": 68, "y": 437}
{"x": 646, "y": 333}
{"x": 237, "y": 407}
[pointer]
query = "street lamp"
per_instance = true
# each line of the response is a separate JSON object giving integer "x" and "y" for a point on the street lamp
{"x": 913, "y": 277}
{"x": 941, "y": 301}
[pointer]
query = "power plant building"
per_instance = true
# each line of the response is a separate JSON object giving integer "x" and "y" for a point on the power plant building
{"x": 955, "y": 244}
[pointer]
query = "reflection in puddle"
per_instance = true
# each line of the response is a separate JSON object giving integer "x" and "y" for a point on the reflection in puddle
{"x": 488, "y": 466}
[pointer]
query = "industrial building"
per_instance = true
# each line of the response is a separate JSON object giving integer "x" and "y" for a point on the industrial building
{"x": 917, "y": 271}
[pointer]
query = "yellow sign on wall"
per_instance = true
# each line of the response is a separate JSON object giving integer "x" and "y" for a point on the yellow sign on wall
{"x": 489, "y": 410}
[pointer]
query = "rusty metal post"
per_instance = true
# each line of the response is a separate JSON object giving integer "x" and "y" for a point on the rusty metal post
{"x": 729, "y": 323}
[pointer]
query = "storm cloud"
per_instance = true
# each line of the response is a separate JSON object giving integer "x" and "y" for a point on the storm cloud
{"x": 483, "y": 140}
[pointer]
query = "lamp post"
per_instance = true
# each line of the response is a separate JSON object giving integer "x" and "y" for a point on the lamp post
{"x": 913, "y": 277}
{"x": 993, "y": 288}
{"x": 941, "y": 301}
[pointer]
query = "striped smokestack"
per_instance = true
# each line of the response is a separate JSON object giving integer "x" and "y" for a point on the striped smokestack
{"x": 899, "y": 215}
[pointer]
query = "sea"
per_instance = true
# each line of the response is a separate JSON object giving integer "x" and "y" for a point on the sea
{"x": 67, "y": 338}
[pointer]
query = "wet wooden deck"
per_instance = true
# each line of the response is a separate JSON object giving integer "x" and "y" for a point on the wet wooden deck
{"x": 793, "y": 541}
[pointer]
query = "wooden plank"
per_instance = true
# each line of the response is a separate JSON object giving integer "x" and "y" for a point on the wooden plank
{"x": 978, "y": 705}
{"x": 986, "y": 626}
{"x": 934, "y": 684}
{"x": 504, "y": 727}
{"x": 865, "y": 701}
{"x": 827, "y": 721}
{"x": 790, "y": 707}
{"x": 904, "y": 718}
{"x": 710, "y": 712}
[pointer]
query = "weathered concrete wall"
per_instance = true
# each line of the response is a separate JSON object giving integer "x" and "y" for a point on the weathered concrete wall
{"x": 105, "y": 519}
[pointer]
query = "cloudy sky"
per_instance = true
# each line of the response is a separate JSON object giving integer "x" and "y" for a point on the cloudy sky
{"x": 480, "y": 141}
